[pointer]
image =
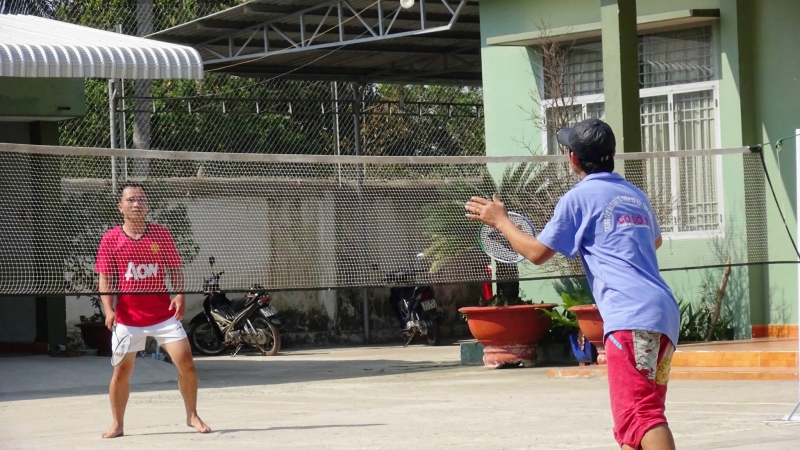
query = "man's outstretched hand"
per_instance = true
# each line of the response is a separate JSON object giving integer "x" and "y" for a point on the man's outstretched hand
{"x": 491, "y": 212}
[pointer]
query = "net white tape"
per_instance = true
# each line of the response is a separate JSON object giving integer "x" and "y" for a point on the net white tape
{"x": 307, "y": 222}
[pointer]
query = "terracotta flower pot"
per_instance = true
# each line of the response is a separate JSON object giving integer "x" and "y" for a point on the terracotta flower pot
{"x": 509, "y": 334}
{"x": 96, "y": 336}
{"x": 591, "y": 325}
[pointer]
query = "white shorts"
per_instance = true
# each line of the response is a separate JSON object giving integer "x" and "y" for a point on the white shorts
{"x": 170, "y": 330}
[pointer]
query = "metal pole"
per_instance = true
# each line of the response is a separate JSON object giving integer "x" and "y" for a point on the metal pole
{"x": 360, "y": 192}
{"x": 791, "y": 416}
{"x": 123, "y": 129}
{"x": 124, "y": 132}
{"x": 335, "y": 89}
{"x": 794, "y": 416}
{"x": 112, "y": 111}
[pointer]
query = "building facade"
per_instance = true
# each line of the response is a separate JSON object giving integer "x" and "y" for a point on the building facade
{"x": 711, "y": 74}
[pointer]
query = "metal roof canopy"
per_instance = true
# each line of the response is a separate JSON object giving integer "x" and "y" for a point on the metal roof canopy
{"x": 434, "y": 41}
{"x": 35, "y": 47}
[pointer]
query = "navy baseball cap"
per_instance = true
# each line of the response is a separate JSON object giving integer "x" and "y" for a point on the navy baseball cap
{"x": 592, "y": 140}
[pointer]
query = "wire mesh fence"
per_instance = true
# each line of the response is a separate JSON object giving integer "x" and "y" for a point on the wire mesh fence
{"x": 228, "y": 114}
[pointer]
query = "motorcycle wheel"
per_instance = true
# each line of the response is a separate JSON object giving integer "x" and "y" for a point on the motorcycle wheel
{"x": 203, "y": 340}
{"x": 434, "y": 335}
{"x": 272, "y": 348}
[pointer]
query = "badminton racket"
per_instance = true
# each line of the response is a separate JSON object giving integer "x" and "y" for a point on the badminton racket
{"x": 121, "y": 348}
{"x": 495, "y": 244}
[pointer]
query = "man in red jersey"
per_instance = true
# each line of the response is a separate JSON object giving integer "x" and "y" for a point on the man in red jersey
{"x": 133, "y": 260}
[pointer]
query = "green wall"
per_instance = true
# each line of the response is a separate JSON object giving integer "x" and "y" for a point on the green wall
{"x": 42, "y": 98}
{"x": 27, "y": 318}
{"x": 508, "y": 76}
{"x": 776, "y": 107}
{"x": 758, "y": 94}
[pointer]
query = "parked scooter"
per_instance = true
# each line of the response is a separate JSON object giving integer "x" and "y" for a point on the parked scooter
{"x": 224, "y": 323}
{"x": 415, "y": 306}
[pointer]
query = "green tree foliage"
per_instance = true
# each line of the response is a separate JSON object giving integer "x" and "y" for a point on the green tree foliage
{"x": 293, "y": 116}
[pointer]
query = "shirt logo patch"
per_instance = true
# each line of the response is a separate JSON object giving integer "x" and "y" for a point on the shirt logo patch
{"x": 141, "y": 271}
{"x": 626, "y": 219}
{"x": 154, "y": 248}
{"x": 629, "y": 220}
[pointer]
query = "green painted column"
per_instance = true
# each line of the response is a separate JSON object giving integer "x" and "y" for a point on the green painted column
{"x": 621, "y": 82}
{"x": 738, "y": 126}
{"x": 621, "y": 72}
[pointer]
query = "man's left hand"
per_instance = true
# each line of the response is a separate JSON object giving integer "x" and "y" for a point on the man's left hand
{"x": 178, "y": 304}
{"x": 491, "y": 212}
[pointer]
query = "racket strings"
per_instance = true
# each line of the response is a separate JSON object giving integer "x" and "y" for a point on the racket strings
{"x": 121, "y": 349}
{"x": 496, "y": 245}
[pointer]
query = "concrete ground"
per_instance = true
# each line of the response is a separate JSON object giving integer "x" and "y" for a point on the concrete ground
{"x": 369, "y": 397}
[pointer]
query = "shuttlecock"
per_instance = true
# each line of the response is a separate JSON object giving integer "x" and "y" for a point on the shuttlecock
{"x": 406, "y": 3}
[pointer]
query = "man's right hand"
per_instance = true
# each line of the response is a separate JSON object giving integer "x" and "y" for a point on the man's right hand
{"x": 111, "y": 319}
{"x": 491, "y": 212}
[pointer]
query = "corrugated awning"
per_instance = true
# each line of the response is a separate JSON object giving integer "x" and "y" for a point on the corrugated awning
{"x": 34, "y": 47}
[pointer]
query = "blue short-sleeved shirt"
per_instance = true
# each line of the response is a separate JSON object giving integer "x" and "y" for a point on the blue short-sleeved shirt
{"x": 611, "y": 223}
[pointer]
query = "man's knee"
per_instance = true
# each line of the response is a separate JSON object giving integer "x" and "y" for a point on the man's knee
{"x": 184, "y": 362}
{"x": 122, "y": 372}
{"x": 187, "y": 366}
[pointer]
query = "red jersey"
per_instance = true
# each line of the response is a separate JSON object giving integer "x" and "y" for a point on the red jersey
{"x": 139, "y": 266}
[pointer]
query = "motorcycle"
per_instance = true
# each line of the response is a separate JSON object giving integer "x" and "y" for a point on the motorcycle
{"x": 414, "y": 306}
{"x": 248, "y": 321}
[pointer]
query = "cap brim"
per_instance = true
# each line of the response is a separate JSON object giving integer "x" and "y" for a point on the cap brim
{"x": 564, "y": 137}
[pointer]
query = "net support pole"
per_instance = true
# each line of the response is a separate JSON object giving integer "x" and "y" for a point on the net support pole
{"x": 112, "y": 120}
{"x": 336, "y": 141}
{"x": 360, "y": 192}
{"x": 794, "y": 416}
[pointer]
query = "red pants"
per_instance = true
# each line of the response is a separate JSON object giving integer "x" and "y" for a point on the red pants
{"x": 638, "y": 372}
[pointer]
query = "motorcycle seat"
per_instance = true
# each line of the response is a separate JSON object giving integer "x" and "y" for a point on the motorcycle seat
{"x": 237, "y": 304}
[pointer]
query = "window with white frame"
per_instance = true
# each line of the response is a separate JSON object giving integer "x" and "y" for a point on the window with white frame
{"x": 678, "y": 108}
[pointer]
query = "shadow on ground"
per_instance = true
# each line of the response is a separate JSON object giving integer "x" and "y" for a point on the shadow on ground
{"x": 238, "y": 430}
{"x": 31, "y": 377}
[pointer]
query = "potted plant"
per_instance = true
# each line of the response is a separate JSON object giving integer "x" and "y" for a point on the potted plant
{"x": 94, "y": 332}
{"x": 574, "y": 295}
{"x": 509, "y": 330}
{"x": 90, "y": 216}
{"x": 508, "y": 327}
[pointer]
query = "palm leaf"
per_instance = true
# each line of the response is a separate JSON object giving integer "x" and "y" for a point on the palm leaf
{"x": 451, "y": 234}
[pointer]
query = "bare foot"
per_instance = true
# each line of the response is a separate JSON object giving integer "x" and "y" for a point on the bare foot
{"x": 114, "y": 431}
{"x": 198, "y": 424}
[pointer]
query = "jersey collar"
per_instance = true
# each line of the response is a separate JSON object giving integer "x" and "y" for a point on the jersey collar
{"x": 146, "y": 229}
{"x": 611, "y": 176}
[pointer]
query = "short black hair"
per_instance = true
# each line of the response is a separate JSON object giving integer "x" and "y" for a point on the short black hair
{"x": 590, "y": 167}
{"x": 132, "y": 185}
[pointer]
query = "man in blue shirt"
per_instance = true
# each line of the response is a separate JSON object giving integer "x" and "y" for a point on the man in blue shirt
{"x": 611, "y": 224}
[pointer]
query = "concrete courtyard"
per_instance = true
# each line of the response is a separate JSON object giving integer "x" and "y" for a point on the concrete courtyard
{"x": 367, "y": 397}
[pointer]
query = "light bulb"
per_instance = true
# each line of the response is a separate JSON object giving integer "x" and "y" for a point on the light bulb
{"x": 406, "y": 3}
